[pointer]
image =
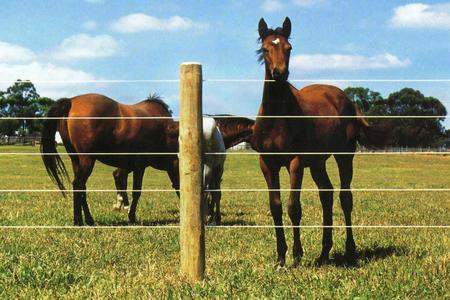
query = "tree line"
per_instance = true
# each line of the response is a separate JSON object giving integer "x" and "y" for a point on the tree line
{"x": 21, "y": 100}
{"x": 405, "y": 132}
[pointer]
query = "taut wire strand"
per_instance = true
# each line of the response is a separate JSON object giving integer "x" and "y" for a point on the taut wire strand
{"x": 233, "y": 190}
{"x": 445, "y": 153}
{"x": 227, "y": 117}
{"x": 222, "y": 227}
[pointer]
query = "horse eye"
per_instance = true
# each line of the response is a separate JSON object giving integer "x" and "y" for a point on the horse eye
{"x": 265, "y": 50}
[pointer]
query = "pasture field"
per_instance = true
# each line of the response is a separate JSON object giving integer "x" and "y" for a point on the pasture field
{"x": 143, "y": 262}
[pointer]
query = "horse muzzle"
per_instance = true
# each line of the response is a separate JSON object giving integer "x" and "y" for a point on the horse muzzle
{"x": 280, "y": 76}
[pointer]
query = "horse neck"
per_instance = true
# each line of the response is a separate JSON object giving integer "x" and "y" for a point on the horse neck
{"x": 277, "y": 97}
{"x": 236, "y": 133}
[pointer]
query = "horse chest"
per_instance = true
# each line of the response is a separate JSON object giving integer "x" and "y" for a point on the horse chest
{"x": 275, "y": 137}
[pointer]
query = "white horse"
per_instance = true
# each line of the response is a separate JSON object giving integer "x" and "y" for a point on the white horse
{"x": 212, "y": 172}
{"x": 213, "y": 167}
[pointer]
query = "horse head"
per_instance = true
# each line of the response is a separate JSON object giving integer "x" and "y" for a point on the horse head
{"x": 275, "y": 50}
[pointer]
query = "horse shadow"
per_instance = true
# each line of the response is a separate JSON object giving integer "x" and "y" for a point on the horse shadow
{"x": 237, "y": 222}
{"x": 162, "y": 222}
{"x": 366, "y": 255}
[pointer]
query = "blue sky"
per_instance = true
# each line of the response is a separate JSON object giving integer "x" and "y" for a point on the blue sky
{"x": 104, "y": 39}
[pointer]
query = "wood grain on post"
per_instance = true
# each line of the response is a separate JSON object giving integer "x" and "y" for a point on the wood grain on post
{"x": 192, "y": 230}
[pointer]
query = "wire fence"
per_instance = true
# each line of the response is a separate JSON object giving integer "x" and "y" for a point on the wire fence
{"x": 236, "y": 80}
{"x": 227, "y": 190}
{"x": 127, "y": 227}
{"x": 443, "y": 152}
{"x": 120, "y": 81}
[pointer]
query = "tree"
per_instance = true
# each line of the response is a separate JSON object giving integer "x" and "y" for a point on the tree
{"x": 406, "y": 132}
{"x": 22, "y": 100}
{"x": 364, "y": 98}
{"x": 8, "y": 127}
{"x": 416, "y": 132}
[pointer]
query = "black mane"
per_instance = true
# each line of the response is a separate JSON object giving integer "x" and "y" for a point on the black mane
{"x": 155, "y": 98}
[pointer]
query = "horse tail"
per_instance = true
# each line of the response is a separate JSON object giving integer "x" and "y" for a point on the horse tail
{"x": 53, "y": 163}
{"x": 372, "y": 135}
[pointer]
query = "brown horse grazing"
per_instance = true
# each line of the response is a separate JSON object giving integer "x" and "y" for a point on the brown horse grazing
{"x": 88, "y": 125}
{"x": 233, "y": 130}
{"x": 300, "y": 135}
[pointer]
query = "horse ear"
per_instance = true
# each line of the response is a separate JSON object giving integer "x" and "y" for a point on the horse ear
{"x": 287, "y": 27}
{"x": 262, "y": 29}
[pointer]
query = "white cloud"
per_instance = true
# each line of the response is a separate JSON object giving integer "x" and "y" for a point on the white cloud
{"x": 37, "y": 71}
{"x": 90, "y": 25}
{"x": 14, "y": 53}
{"x": 17, "y": 62}
{"x": 84, "y": 46}
{"x": 318, "y": 62}
{"x": 419, "y": 15}
{"x": 272, "y": 6}
{"x": 306, "y": 3}
{"x": 142, "y": 22}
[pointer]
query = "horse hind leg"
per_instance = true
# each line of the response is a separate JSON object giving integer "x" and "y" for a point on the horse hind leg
{"x": 120, "y": 180}
{"x": 323, "y": 182}
{"x": 138, "y": 175}
{"x": 217, "y": 194}
{"x": 82, "y": 167}
{"x": 345, "y": 165}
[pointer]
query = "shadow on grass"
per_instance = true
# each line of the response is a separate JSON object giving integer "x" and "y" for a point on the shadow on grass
{"x": 366, "y": 255}
{"x": 162, "y": 222}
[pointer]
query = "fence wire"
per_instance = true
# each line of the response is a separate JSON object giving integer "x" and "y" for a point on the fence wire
{"x": 119, "y": 81}
{"x": 223, "y": 227}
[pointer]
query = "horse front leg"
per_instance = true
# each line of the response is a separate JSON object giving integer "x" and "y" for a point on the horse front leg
{"x": 138, "y": 175}
{"x": 295, "y": 208}
{"x": 174, "y": 175}
{"x": 271, "y": 175}
{"x": 121, "y": 182}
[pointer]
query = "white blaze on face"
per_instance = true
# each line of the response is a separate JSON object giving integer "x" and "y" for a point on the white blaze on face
{"x": 276, "y": 41}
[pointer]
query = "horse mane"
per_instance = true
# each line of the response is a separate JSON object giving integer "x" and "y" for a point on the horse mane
{"x": 155, "y": 98}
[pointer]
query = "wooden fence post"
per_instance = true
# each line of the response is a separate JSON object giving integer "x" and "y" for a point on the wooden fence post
{"x": 192, "y": 229}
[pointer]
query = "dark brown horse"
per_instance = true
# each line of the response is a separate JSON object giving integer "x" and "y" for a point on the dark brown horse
{"x": 232, "y": 129}
{"x": 313, "y": 133}
{"x": 90, "y": 131}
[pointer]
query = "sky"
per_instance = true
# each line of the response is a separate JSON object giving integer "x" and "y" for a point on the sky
{"x": 89, "y": 40}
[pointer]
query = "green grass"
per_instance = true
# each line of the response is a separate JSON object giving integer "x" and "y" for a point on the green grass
{"x": 143, "y": 263}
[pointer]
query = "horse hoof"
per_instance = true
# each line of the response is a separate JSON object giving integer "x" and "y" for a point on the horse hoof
{"x": 90, "y": 222}
{"x": 322, "y": 260}
{"x": 280, "y": 264}
{"x": 296, "y": 262}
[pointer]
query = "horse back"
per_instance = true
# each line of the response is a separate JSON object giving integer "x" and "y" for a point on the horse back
{"x": 118, "y": 127}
